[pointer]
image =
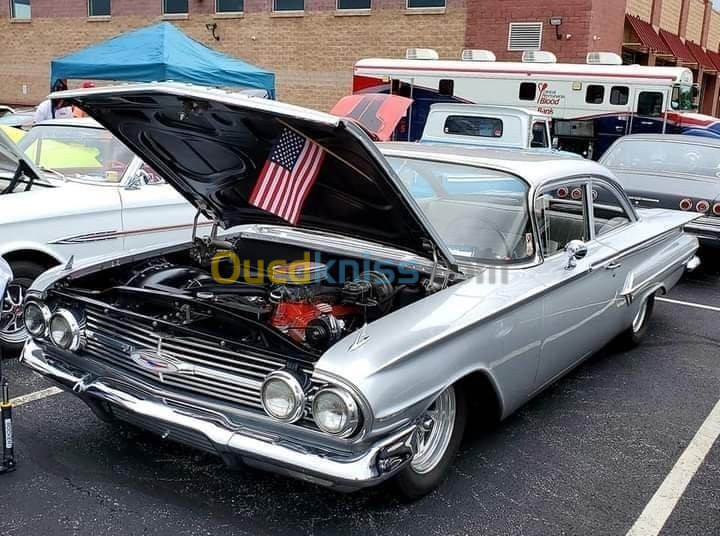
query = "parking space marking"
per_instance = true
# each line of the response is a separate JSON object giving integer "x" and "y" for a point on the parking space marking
{"x": 37, "y": 395}
{"x": 690, "y": 304}
{"x": 656, "y": 513}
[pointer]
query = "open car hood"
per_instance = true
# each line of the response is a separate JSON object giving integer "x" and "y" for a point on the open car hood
{"x": 212, "y": 145}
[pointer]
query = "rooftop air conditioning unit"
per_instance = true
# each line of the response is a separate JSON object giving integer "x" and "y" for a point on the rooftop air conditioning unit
{"x": 538, "y": 56}
{"x": 421, "y": 54}
{"x": 470, "y": 54}
{"x": 603, "y": 58}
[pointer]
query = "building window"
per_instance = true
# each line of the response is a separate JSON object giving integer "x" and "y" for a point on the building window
{"x": 619, "y": 95}
{"x": 413, "y": 4}
{"x": 229, "y": 6}
{"x": 98, "y": 8}
{"x": 525, "y": 36}
{"x": 20, "y": 9}
{"x": 175, "y": 7}
{"x": 353, "y": 4}
{"x": 595, "y": 94}
{"x": 527, "y": 91}
{"x": 288, "y": 5}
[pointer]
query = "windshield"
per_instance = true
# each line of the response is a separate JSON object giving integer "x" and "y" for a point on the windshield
{"x": 481, "y": 214}
{"x": 662, "y": 157}
{"x": 683, "y": 98}
{"x": 77, "y": 152}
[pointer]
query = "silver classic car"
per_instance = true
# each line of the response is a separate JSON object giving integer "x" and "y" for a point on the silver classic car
{"x": 349, "y": 347}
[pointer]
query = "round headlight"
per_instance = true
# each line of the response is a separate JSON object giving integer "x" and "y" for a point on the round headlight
{"x": 335, "y": 411}
{"x": 64, "y": 330}
{"x": 37, "y": 318}
{"x": 282, "y": 396}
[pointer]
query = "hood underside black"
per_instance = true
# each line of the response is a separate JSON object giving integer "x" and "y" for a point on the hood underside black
{"x": 211, "y": 146}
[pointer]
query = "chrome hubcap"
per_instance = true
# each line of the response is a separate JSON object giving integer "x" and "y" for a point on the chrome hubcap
{"x": 435, "y": 431}
{"x": 640, "y": 317}
{"x": 11, "y": 311}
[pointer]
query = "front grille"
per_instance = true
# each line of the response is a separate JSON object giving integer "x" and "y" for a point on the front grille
{"x": 224, "y": 374}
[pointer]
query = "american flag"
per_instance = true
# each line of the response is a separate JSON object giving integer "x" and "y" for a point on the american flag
{"x": 287, "y": 176}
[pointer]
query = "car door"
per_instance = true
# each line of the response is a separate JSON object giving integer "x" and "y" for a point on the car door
{"x": 579, "y": 298}
{"x": 648, "y": 112}
{"x": 153, "y": 212}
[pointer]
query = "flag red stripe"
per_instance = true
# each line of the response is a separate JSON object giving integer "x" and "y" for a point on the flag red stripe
{"x": 267, "y": 180}
{"x": 305, "y": 190}
{"x": 289, "y": 184}
{"x": 299, "y": 177}
{"x": 275, "y": 182}
{"x": 260, "y": 183}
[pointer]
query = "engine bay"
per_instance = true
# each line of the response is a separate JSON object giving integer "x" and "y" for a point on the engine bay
{"x": 307, "y": 304}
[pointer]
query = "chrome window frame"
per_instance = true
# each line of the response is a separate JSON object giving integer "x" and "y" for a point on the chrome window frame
{"x": 624, "y": 202}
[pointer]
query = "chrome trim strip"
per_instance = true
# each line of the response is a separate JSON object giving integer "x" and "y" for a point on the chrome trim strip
{"x": 375, "y": 463}
{"x": 113, "y": 234}
{"x": 643, "y": 199}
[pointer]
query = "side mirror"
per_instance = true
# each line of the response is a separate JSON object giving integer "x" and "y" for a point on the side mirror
{"x": 136, "y": 181}
{"x": 575, "y": 250}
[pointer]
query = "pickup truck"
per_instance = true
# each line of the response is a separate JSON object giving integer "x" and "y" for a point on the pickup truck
{"x": 489, "y": 126}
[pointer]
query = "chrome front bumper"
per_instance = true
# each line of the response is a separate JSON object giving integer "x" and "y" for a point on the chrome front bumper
{"x": 254, "y": 447}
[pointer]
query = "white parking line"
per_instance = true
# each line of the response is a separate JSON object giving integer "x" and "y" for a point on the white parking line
{"x": 690, "y": 304}
{"x": 37, "y": 395}
{"x": 657, "y": 511}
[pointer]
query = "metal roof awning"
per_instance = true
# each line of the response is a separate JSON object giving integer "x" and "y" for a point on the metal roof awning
{"x": 701, "y": 56}
{"x": 647, "y": 35}
{"x": 677, "y": 47}
{"x": 715, "y": 58}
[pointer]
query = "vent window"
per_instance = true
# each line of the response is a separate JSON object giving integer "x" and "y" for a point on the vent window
{"x": 525, "y": 36}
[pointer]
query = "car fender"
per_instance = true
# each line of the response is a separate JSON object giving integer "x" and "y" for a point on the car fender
{"x": 490, "y": 323}
{"x": 15, "y": 246}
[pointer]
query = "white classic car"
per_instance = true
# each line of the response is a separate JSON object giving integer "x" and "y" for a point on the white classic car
{"x": 76, "y": 192}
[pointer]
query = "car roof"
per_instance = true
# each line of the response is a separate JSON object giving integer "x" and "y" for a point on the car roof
{"x": 486, "y": 108}
{"x": 71, "y": 122}
{"x": 536, "y": 167}
{"x": 686, "y": 138}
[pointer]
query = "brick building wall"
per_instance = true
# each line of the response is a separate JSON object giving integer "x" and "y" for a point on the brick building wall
{"x": 670, "y": 15}
{"x": 640, "y": 8}
{"x": 696, "y": 16}
{"x": 713, "y": 40}
{"x": 312, "y": 55}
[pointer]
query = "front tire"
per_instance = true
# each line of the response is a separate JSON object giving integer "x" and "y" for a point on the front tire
{"x": 12, "y": 327}
{"x": 635, "y": 333}
{"x": 443, "y": 427}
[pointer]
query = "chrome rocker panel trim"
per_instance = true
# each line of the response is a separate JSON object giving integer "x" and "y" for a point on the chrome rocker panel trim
{"x": 254, "y": 447}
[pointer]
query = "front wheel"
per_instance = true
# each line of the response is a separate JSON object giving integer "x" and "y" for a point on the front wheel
{"x": 442, "y": 427}
{"x": 12, "y": 327}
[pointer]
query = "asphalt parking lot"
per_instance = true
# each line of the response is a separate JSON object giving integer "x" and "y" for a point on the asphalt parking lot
{"x": 585, "y": 457}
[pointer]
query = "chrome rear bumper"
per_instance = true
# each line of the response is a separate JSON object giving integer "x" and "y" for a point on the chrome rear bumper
{"x": 254, "y": 447}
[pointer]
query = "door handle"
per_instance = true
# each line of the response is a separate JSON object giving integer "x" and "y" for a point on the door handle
{"x": 613, "y": 266}
{"x": 646, "y": 123}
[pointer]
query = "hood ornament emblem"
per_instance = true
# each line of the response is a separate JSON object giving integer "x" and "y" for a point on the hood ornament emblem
{"x": 155, "y": 361}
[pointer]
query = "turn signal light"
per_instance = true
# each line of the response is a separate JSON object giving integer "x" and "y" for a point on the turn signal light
{"x": 685, "y": 204}
{"x": 702, "y": 206}
{"x": 716, "y": 209}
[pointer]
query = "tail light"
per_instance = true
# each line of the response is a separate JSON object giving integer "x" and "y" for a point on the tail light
{"x": 702, "y": 206}
{"x": 576, "y": 193}
{"x": 716, "y": 209}
{"x": 562, "y": 192}
{"x": 685, "y": 204}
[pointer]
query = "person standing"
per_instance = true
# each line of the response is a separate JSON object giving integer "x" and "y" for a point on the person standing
{"x": 53, "y": 109}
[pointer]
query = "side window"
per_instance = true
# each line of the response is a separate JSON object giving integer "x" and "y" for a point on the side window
{"x": 619, "y": 95}
{"x": 539, "y": 136}
{"x": 595, "y": 94}
{"x": 650, "y": 103}
{"x": 608, "y": 211}
{"x": 561, "y": 216}
{"x": 527, "y": 91}
{"x": 446, "y": 87}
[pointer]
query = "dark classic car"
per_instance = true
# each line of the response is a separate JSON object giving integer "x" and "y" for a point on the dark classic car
{"x": 357, "y": 361}
{"x": 672, "y": 171}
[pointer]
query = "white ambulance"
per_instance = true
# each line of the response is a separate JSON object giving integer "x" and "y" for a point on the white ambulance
{"x": 591, "y": 104}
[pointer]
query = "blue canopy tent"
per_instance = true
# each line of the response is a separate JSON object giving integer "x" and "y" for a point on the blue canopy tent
{"x": 158, "y": 53}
